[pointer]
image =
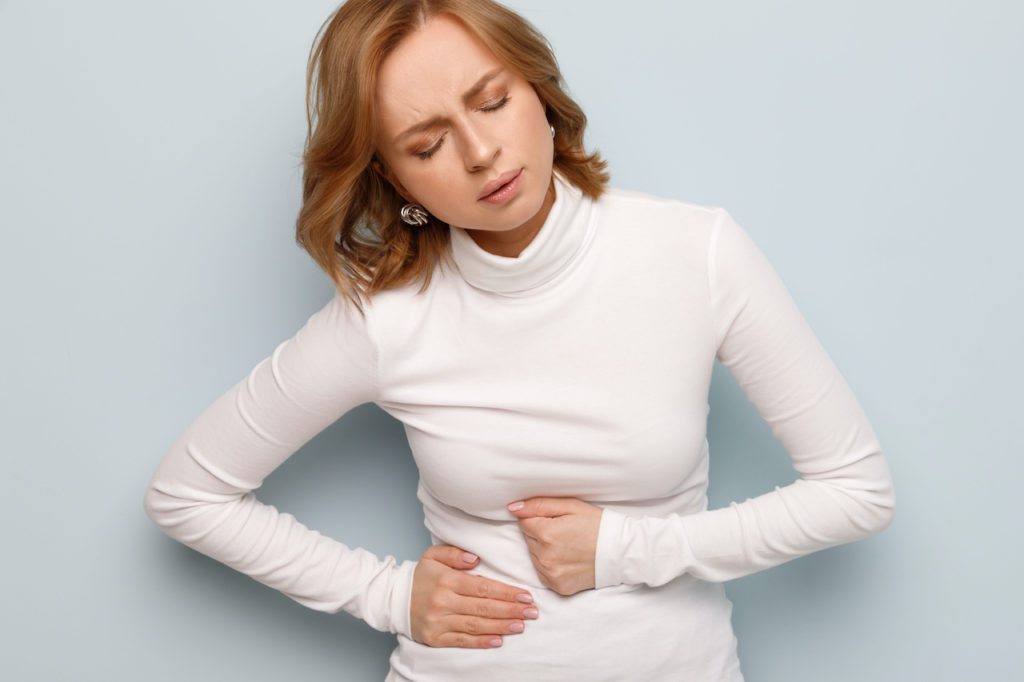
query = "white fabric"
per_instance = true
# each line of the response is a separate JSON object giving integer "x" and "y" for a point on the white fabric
{"x": 580, "y": 368}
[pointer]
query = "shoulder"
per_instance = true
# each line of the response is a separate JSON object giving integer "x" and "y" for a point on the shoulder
{"x": 660, "y": 227}
{"x": 396, "y": 313}
{"x": 642, "y": 201}
{"x": 653, "y": 211}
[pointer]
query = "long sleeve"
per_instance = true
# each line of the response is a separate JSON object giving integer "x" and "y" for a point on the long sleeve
{"x": 201, "y": 493}
{"x": 844, "y": 492}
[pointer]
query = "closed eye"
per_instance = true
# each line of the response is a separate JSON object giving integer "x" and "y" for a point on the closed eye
{"x": 426, "y": 154}
{"x": 496, "y": 105}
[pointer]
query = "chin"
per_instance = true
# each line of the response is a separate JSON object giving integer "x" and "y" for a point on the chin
{"x": 529, "y": 208}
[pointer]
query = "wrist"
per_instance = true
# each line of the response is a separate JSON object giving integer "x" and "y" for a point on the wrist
{"x": 610, "y": 549}
{"x": 401, "y": 599}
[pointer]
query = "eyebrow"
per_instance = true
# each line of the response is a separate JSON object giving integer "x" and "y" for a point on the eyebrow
{"x": 466, "y": 97}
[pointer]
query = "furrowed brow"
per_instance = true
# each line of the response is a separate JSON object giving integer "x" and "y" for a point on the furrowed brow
{"x": 469, "y": 95}
{"x": 418, "y": 128}
{"x": 480, "y": 85}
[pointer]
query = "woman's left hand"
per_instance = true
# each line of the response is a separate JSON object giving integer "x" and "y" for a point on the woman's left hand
{"x": 561, "y": 533}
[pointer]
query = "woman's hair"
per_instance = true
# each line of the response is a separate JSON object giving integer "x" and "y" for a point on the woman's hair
{"x": 349, "y": 221}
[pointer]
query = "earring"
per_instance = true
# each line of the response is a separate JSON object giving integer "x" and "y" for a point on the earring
{"x": 414, "y": 214}
{"x": 552, "y": 131}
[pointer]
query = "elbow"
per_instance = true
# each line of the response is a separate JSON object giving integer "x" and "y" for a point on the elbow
{"x": 164, "y": 509}
{"x": 868, "y": 507}
{"x": 875, "y": 501}
{"x": 883, "y": 501}
{"x": 888, "y": 508}
{"x": 186, "y": 514}
{"x": 881, "y": 515}
{"x": 876, "y": 509}
{"x": 154, "y": 505}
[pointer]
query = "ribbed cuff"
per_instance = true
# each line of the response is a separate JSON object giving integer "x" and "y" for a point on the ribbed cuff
{"x": 610, "y": 549}
{"x": 401, "y": 598}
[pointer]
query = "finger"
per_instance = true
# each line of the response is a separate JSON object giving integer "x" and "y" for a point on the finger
{"x": 465, "y": 641}
{"x": 492, "y": 608}
{"x": 452, "y": 557}
{"x": 484, "y": 588}
{"x": 544, "y": 506}
{"x": 484, "y": 626}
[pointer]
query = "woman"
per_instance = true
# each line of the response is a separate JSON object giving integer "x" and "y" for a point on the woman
{"x": 548, "y": 344}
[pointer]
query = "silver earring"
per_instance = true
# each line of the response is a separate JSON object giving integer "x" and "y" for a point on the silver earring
{"x": 414, "y": 214}
{"x": 552, "y": 131}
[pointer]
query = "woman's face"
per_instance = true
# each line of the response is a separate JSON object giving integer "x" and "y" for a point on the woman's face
{"x": 463, "y": 135}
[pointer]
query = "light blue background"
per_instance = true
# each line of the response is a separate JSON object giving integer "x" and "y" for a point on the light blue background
{"x": 149, "y": 181}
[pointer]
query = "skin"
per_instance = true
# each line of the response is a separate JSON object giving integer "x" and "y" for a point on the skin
{"x": 561, "y": 533}
{"x": 451, "y": 119}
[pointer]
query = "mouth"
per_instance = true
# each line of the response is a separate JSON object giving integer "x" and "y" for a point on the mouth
{"x": 501, "y": 188}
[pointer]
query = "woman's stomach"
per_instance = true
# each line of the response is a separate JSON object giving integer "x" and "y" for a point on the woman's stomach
{"x": 680, "y": 630}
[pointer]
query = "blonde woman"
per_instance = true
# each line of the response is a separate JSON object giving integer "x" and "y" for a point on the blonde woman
{"x": 548, "y": 344}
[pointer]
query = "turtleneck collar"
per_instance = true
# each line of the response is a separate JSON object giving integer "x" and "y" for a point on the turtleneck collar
{"x": 558, "y": 242}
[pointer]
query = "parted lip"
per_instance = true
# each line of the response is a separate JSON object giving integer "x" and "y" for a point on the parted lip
{"x": 499, "y": 181}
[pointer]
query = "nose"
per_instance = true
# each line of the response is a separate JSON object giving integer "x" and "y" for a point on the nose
{"x": 480, "y": 149}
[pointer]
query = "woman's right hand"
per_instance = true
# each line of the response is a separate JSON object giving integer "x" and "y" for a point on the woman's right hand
{"x": 451, "y": 608}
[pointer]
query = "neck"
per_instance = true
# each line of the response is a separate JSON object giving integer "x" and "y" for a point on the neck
{"x": 510, "y": 243}
{"x": 545, "y": 253}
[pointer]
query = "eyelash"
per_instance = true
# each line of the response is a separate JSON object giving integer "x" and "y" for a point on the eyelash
{"x": 437, "y": 145}
{"x": 497, "y": 105}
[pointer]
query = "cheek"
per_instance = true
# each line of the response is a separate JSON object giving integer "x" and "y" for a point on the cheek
{"x": 531, "y": 135}
{"x": 436, "y": 192}
{"x": 545, "y": 146}
{"x": 540, "y": 131}
{"x": 426, "y": 184}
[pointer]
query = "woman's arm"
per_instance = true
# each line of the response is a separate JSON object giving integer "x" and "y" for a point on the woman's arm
{"x": 201, "y": 491}
{"x": 201, "y": 495}
{"x": 844, "y": 492}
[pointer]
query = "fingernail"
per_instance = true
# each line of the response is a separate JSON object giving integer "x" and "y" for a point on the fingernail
{"x": 496, "y": 642}
{"x": 530, "y": 613}
{"x": 469, "y": 557}
{"x": 516, "y": 506}
{"x": 516, "y": 628}
{"x": 525, "y": 598}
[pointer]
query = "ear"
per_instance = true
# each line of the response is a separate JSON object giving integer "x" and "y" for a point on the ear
{"x": 383, "y": 171}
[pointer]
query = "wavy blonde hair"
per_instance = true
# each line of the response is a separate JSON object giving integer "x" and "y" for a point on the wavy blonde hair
{"x": 349, "y": 221}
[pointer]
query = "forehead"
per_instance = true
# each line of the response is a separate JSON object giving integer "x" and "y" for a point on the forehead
{"x": 430, "y": 67}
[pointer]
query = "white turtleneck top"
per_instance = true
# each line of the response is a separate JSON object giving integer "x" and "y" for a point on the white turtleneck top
{"x": 580, "y": 368}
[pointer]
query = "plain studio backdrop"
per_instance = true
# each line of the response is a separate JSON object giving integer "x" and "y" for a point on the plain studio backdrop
{"x": 149, "y": 182}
